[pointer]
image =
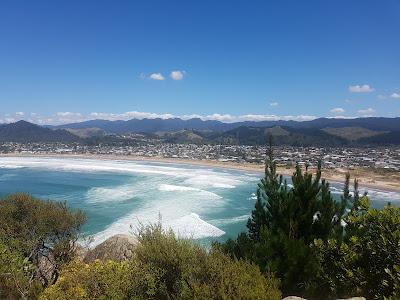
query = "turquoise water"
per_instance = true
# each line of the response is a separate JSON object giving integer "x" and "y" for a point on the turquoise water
{"x": 199, "y": 202}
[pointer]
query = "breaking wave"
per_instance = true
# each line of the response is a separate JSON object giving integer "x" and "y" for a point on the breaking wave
{"x": 233, "y": 220}
{"x": 189, "y": 226}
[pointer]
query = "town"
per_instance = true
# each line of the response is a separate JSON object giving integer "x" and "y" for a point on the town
{"x": 377, "y": 158}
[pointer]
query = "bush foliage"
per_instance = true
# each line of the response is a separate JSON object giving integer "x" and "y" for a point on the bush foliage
{"x": 36, "y": 239}
{"x": 316, "y": 245}
{"x": 367, "y": 262}
{"x": 164, "y": 267}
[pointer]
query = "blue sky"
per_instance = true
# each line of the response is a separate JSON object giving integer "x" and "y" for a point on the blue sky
{"x": 64, "y": 61}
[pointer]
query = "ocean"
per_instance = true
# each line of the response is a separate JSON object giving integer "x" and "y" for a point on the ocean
{"x": 118, "y": 196}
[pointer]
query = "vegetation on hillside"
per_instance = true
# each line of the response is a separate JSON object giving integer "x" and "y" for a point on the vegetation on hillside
{"x": 319, "y": 246}
{"x": 353, "y": 133}
{"x": 38, "y": 260}
{"x": 37, "y": 238}
{"x": 164, "y": 267}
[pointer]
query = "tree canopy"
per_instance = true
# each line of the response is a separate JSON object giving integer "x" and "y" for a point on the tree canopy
{"x": 317, "y": 245}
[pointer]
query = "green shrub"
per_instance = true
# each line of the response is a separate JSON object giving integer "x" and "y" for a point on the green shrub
{"x": 368, "y": 260}
{"x": 98, "y": 280}
{"x": 36, "y": 239}
{"x": 164, "y": 267}
{"x": 339, "y": 275}
{"x": 16, "y": 275}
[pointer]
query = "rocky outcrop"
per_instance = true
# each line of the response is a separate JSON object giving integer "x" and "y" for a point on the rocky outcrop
{"x": 118, "y": 247}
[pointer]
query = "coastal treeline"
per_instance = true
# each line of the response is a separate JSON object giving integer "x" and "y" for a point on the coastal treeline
{"x": 318, "y": 247}
{"x": 299, "y": 241}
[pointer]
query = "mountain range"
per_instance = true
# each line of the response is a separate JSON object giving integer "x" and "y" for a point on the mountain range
{"x": 176, "y": 124}
{"x": 318, "y": 132}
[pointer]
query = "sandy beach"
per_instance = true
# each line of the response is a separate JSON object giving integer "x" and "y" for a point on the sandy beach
{"x": 368, "y": 178}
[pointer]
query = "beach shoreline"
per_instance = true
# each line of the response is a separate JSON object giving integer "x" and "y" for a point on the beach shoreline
{"x": 367, "y": 178}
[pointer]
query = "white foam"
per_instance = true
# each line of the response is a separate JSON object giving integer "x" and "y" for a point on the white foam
{"x": 113, "y": 194}
{"x": 384, "y": 196}
{"x": 10, "y": 166}
{"x": 186, "y": 226}
{"x": 179, "y": 188}
{"x": 253, "y": 196}
{"x": 198, "y": 177}
{"x": 233, "y": 220}
{"x": 213, "y": 180}
{"x": 373, "y": 194}
{"x": 175, "y": 188}
{"x": 192, "y": 226}
{"x": 176, "y": 206}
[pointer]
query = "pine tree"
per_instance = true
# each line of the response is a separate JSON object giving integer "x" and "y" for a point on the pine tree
{"x": 269, "y": 198}
{"x": 258, "y": 220}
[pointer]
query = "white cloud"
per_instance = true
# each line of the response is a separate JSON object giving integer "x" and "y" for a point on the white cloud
{"x": 60, "y": 118}
{"x": 177, "y": 75}
{"x": 19, "y": 113}
{"x": 9, "y": 120}
{"x": 337, "y": 110}
{"x": 71, "y": 117}
{"x": 366, "y": 112}
{"x": 341, "y": 117}
{"x": 274, "y": 104}
{"x": 253, "y": 117}
{"x": 156, "y": 76}
{"x": 129, "y": 115}
{"x": 68, "y": 114}
{"x": 395, "y": 95}
{"x": 365, "y": 88}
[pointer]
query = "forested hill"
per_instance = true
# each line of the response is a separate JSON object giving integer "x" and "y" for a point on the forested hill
{"x": 24, "y": 132}
{"x": 319, "y": 132}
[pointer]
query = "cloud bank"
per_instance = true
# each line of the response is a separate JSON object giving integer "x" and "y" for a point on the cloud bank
{"x": 72, "y": 117}
{"x": 365, "y": 88}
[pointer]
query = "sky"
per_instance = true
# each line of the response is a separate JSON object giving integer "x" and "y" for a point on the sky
{"x": 67, "y": 61}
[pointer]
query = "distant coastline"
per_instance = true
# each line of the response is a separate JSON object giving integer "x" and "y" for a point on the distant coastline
{"x": 367, "y": 178}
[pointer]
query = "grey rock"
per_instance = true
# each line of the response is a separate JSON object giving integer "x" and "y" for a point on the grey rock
{"x": 118, "y": 247}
